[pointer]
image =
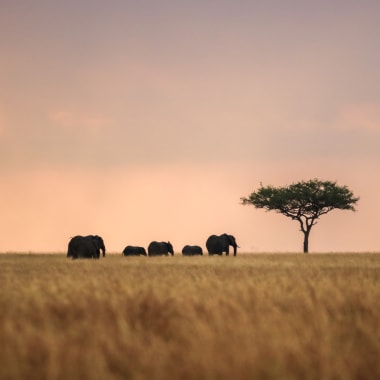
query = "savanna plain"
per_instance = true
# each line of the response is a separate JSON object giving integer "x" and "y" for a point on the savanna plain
{"x": 253, "y": 316}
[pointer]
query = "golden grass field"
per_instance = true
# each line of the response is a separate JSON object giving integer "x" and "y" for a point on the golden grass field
{"x": 256, "y": 316}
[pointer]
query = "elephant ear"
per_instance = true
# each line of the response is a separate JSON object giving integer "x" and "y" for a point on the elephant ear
{"x": 232, "y": 240}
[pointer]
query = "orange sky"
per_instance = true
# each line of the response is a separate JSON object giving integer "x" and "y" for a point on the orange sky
{"x": 150, "y": 121}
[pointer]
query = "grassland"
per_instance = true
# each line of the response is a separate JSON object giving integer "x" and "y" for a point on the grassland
{"x": 284, "y": 316}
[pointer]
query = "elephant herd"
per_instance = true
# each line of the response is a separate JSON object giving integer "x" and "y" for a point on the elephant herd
{"x": 92, "y": 245}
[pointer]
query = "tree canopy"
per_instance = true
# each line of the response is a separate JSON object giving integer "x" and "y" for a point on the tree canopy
{"x": 303, "y": 201}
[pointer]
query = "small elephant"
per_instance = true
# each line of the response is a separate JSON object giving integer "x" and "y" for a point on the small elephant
{"x": 160, "y": 248}
{"x": 130, "y": 250}
{"x": 86, "y": 247}
{"x": 219, "y": 244}
{"x": 191, "y": 250}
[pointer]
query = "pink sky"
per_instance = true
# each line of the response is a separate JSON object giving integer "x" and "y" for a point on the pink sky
{"x": 150, "y": 121}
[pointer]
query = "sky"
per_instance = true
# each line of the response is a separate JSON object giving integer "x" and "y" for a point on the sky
{"x": 149, "y": 120}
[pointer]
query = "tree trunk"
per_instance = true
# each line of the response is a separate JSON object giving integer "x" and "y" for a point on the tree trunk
{"x": 306, "y": 241}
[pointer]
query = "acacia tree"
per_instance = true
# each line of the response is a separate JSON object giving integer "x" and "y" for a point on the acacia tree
{"x": 303, "y": 201}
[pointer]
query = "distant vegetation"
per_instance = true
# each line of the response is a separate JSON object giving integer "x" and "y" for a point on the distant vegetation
{"x": 283, "y": 316}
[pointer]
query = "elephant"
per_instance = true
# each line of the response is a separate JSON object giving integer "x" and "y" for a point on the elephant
{"x": 160, "y": 248}
{"x": 99, "y": 243}
{"x": 191, "y": 250}
{"x": 219, "y": 244}
{"x": 86, "y": 247}
{"x": 130, "y": 250}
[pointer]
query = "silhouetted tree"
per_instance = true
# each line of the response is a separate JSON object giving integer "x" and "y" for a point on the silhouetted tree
{"x": 303, "y": 201}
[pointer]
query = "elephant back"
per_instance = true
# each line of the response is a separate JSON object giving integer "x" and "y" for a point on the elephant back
{"x": 219, "y": 244}
{"x": 186, "y": 250}
{"x": 156, "y": 248}
{"x": 191, "y": 250}
{"x": 130, "y": 250}
{"x": 82, "y": 247}
{"x": 73, "y": 244}
{"x": 215, "y": 244}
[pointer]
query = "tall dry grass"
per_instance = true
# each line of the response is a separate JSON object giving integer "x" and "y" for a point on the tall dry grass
{"x": 279, "y": 316}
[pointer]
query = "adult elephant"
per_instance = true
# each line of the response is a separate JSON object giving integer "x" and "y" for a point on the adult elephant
{"x": 219, "y": 244}
{"x": 191, "y": 250}
{"x": 131, "y": 250}
{"x": 86, "y": 247}
{"x": 160, "y": 248}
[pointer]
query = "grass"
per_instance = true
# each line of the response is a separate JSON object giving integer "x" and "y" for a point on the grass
{"x": 284, "y": 316}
